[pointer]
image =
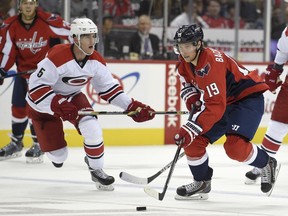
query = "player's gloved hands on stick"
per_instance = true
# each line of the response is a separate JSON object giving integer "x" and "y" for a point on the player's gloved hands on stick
{"x": 64, "y": 109}
{"x": 2, "y": 75}
{"x": 140, "y": 112}
{"x": 187, "y": 133}
{"x": 272, "y": 77}
{"x": 191, "y": 96}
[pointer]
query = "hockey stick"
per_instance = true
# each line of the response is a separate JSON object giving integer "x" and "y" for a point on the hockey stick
{"x": 151, "y": 191}
{"x": 18, "y": 74}
{"x": 138, "y": 180}
{"x": 93, "y": 113}
{"x": 155, "y": 194}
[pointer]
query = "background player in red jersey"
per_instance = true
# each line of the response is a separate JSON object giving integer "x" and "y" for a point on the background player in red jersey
{"x": 232, "y": 105}
{"x": 55, "y": 94}
{"x": 278, "y": 124}
{"x": 25, "y": 40}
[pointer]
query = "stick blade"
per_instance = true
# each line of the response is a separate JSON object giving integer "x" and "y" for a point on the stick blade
{"x": 133, "y": 179}
{"x": 153, "y": 193}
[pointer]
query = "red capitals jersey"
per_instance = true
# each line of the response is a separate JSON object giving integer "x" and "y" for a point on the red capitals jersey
{"x": 221, "y": 81}
{"x": 28, "y": 45}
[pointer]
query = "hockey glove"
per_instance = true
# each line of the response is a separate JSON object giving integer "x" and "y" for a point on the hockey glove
{"x": 191, "y": 96}
{"x": 187, "y": 133}
{"x": 64, "y": 109}
{"x": 272, "y": 77}
{"x": 140, "y": 112}
{"x": 2, "y": 75}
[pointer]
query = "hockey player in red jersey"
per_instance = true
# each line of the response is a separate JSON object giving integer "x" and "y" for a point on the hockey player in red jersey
{"x": 278, "y": 124}
{"x": 55, "y": 93}
{"x": 232, "y": 104}
{"x": 25, "y": 40}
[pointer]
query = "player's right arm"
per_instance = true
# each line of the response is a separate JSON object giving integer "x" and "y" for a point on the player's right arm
{"x": 272, "y": 77}
{"x": 40, "y": 92}
{"x": 8, "y": 49}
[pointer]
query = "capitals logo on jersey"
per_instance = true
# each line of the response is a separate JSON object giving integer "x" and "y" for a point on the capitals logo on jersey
{"x": 32, "y": 44}
{"x": 203, "y": 71}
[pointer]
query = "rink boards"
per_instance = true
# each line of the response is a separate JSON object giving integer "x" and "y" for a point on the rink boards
{"x": 151, "y": 82}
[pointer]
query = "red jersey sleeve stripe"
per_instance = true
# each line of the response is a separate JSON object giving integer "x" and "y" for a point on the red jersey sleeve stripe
{"x": 39, "y": 93}
{"x": 111, "y": 93}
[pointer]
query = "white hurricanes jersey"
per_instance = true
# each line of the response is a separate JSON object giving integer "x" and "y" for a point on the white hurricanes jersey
{"x": 59, "y": 73}
{"x": 282, "y": 48}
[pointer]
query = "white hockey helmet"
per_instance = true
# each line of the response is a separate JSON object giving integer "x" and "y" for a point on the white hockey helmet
{"x": 81, "y": 26}
{"x": 21, "y": 1}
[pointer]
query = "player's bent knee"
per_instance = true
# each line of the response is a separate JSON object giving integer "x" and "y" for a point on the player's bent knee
{"x": 237, "y": 148}
{"x": 90, "y": 130}
{"x": 58, "y": 156}
{"x": 19, "y": 112}
{"x": 197, "y": 148}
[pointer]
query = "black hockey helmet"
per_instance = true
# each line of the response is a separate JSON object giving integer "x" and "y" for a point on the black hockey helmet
{"x": 189, "y": 33}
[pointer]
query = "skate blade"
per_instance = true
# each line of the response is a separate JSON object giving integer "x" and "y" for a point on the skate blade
{"x": 200, "y": 196}
{"x": 250, "y": 181}
{"x": 12, "y": 156}
{"x": 34, "y": 160}
{"x": 104, "y": 187}
{"x": 276, "y": 176}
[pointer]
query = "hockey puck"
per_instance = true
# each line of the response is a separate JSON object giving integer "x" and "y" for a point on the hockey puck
{"x": 141, "y": 208}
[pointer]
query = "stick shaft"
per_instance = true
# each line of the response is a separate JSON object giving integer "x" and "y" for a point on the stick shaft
{"x": 152, "y": 192}
{"x": 93, "y": 113}
{"x": 142, "y": 180}
{"x": 19, "y": 74}
{"x": 151, "y": 178}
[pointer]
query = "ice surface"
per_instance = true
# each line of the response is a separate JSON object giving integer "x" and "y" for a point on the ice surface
{"x": 43, "y": 190}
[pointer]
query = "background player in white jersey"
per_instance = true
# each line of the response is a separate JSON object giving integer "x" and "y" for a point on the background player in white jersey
{"x": 55, "y": 93}
{"x": 278, "y": 124}
{"x": 24, "y": 41}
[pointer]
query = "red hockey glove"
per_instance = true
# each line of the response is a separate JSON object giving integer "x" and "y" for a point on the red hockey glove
{"x": 191, "y": 96}
{"x": 2, "y": 75}
{"x": 140, "y": 112}
{"x": 272, "y": 77}
{"x": 187, "y": 133}
{"x": 64, "y": 109}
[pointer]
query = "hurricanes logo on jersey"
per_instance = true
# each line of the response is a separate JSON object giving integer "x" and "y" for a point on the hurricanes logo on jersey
{"x": 203, "y": 71}
{"x": 76, "y": 81}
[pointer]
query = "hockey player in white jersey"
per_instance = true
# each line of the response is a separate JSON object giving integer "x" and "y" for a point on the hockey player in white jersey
{"x": 278, "y": 124}
{"x": 54, "y": 95}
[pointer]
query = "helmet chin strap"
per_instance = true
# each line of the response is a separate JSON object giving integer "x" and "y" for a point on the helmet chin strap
{"x": 197, "y": 52}
{"x": 79, "y": 46}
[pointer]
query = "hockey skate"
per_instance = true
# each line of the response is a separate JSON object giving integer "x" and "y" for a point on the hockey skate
{"x": 12, "y": 149}
{"x": 252, "y": 176}
{"x": 34, "y": 155}
{"x": 269, "y": 176}
{"x": 102, "y": 180}
{"x": 197, "y": 190}
{"x": 57, "y": 165}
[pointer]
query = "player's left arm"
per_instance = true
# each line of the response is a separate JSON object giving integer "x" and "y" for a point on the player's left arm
{"x": 109, "y": 89}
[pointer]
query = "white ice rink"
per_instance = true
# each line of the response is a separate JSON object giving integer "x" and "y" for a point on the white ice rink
{"x": 43, "y": 190}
